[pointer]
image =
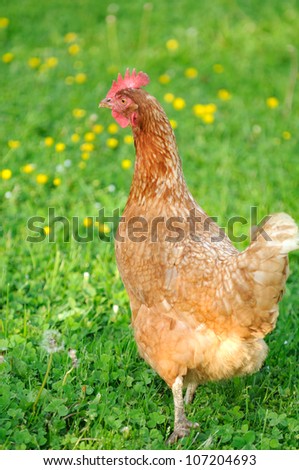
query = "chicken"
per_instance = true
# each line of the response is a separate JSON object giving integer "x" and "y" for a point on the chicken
{"x": 200, "y": 308}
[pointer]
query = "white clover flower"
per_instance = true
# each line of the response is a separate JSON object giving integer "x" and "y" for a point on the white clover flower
{"x": 125, "y": 431}
{"x": 72, "y": 353}
{"x": 115, "y": 309}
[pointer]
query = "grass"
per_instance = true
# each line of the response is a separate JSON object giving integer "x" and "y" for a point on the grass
{"x": 108, "y": 398}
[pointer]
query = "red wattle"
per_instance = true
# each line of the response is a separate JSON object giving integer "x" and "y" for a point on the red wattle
{"x": 121, "y": 120}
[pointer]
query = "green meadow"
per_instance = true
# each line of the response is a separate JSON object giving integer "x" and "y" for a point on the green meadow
{"x": 226, "y": 73}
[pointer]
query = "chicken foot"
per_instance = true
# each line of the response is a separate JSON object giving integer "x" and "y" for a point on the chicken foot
{"x": 181, "y": 424}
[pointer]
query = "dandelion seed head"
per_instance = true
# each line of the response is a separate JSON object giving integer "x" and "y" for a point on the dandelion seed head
{"x": 111, "y": 188}
{"x": 93, "y": 117}
{"x": 256, "y": 129}
{"x": 60, "y": 168}
{"x": 52, "y": 341}
{"x": 67, "y": 163}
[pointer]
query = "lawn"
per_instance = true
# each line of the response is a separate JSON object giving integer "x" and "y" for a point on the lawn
{"x": 226, "y": 74}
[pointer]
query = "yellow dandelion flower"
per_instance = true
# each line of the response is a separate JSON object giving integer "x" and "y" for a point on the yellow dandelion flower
{"x": 51, "y": 62}
{"x": 173, "y": 123}
{"x": 7, "y": 57}
{"x": 112, "y": 143}
{"x": 89, "y": 136}
{"x": 179, "y": 103}
{"x": 74, "y": 49}
{"x": 168, "y": 97}
{"x": 286, "y": 135}
{"x": 87, "y": 222}
{"x": 80, "y": 78}
{"x": 79, "y": 113}
{"x": 164, "y": 79}
{"x": 85, "y": 156}
{"x": 98, "y": 128}
{"x": 69, "y": 80}
{"x": 224, "y": 94}
{"x": 172, "y": 44}
{"x": 210, "y": 108}
{"x": 49, "y": 141}
{"x": 191, "y": 72}
{"x": 29, "y": 168}
{"x": 87, "y": 147}
{"x": 75, "y": 138}
{"x": 113, "y": 128}
{"x": 4, "y": 22}
{"x": 82, "y": 165}
{"x": 47, "y": 229}
{"x": 208, "y": 118}
{"x": 41, "y": 178}
{"x": 34, "y": 62}
{"x": 272, "y": 102}
{"x": 70, "y": 37}
{"x": 128, "y": 139}
{"x": 6, "y": 174}
{"x": 104, "y": 228}
{"x": 57, "y": 181}
{"x": 199, "y": 109}
{"x": 218, "y": 68}
{"x": 14, "y": 144}
{"x": 126, "y": 164}
{"x": 60, "y": 147}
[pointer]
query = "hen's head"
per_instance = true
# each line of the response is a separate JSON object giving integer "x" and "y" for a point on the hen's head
{"x": 120, "y": 98}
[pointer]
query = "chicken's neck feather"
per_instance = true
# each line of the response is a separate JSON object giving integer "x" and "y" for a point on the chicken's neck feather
{"x": 158, "y": 168}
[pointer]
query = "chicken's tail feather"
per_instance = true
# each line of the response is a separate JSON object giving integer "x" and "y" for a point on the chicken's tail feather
{"x": 262, "y": 273}
{"x": 279, "y": 231}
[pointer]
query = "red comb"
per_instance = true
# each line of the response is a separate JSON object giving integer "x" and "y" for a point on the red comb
{"x": 129, "y": 81}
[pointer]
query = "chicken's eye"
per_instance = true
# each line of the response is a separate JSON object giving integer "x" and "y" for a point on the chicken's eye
{"x": 123, "y": 100}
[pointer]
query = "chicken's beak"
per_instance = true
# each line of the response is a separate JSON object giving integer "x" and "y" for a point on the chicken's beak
{"x": 106, "y": 103}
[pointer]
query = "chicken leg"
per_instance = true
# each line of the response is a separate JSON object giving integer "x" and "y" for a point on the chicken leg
{"x": 181, "y": 424}
{"x": 189, "y": 395}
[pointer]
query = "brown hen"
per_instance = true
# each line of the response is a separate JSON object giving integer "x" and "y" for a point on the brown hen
{"x": 200, "y": 308}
